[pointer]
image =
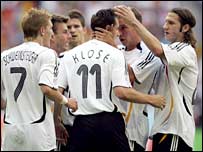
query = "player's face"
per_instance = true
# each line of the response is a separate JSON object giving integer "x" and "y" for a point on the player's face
{"x": 115, "y": 31}
{"x": 76, "y": 30}
{"x": 61, "y": 37}
{"x": 172, "y": 28}
{"x": 128, "y": 36}
{"x": 48, "y": 33}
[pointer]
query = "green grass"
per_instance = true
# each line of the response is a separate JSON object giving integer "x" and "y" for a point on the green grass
{"x": 198, "y": 140}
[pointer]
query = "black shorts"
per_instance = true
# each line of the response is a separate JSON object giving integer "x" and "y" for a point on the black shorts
{"x": 137, "y": 147}
{"x": 102, "y": 132}
{"x": 169, "y": 142}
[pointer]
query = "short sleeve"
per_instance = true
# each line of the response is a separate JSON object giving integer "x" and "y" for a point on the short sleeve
{"x": 49, "y": 69}
{"x": 146, "y": 66}
{"x": 63, "y": 75}
{"x": 178, "y": 57}
{"x": 120, "y": 75}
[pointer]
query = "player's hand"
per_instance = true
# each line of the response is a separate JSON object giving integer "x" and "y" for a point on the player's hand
{"x": 72, "y": 104}
{"x": 158, "y": 101}
{"x": 61, "y": 133}
{"x": 104, "y": 35}
{"x": 125, "y": 13}
{"x": 131, "y": 74}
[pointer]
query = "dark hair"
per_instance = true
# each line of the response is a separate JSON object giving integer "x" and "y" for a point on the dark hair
{"x": 137, "y": 14}
{"x": 103, "y": 18}
{"x": 58, "y": 19}
{"x": 186, "y": 17}
{"x": 74, "y": 13}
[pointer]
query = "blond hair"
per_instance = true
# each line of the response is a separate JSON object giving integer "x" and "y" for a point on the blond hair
{"x": 33, "y": 20}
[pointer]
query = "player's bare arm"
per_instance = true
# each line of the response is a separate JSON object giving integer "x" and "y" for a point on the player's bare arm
{"x": 3, "y": 104}
{"x": 130, "y": 95}
{"x": 56, "y": 96}
{"x": 61, "y": 132}
{"x": 150, "y": 40}
{"x": 57, "y": 109}
{"x": 131, "y": 74}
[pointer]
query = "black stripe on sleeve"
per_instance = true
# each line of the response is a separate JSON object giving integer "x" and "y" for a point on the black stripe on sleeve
{"x": 5, "y": 118}
{"x": 175, "y": 46}
{"x": 181, "y": 44}
{"x": 146, "y": 61}
{"x": 180, "y": 48}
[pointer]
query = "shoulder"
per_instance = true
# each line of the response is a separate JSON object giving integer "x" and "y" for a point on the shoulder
{"x": 181, "y": 48}
{"x": 45, "y": 51}
{"x": 144, "y": 47}
{"x": 177, "y": 46}
{"x": 10, "y": 50}
{"x": 115, "y": 51}
{"x": 147, "y": 53}
{"x": 4, "y": 53}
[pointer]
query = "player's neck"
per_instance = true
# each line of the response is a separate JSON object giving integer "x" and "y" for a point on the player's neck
{"x": 31, "y": 39}
{"x": 133, "y": 46}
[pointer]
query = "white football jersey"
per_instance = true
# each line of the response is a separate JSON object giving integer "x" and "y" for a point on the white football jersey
{"x": 91, "y": 70}
{"x": 144, "y": 65}
{"x": 23, "y": 69}
{"x": 177, "y": 81}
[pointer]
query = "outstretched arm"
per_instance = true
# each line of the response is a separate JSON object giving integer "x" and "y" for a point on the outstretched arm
{"x": 56, "y": 96}
{"x": 131, "y": 94}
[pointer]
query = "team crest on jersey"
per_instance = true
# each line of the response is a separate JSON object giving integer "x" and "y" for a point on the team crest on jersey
{"x": 56, "y": 69}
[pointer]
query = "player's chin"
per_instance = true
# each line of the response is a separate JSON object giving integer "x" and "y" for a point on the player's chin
{"x": 66, "y": 47}
{"x": 123, "y": 42}
{"x": 74, "y": 38}
{"x": 168, "y": 38}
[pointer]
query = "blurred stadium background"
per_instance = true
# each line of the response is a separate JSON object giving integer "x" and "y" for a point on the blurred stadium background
{"x": 153, "y": 13}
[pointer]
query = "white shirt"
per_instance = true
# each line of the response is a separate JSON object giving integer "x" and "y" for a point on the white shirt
{"x": 23, "y": 69}
{"x": 88, "y": 70}
{"x": 177, "y": 81}
{"x": 145, "y": 66}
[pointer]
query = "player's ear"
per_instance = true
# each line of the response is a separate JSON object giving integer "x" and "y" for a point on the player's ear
{"x": 42, "y": 31}
{"x": 109, "y": 28}
{"x": 85, "y": 30}
{"x": 52, "y": 38}
{"x": 185, "y": 28}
